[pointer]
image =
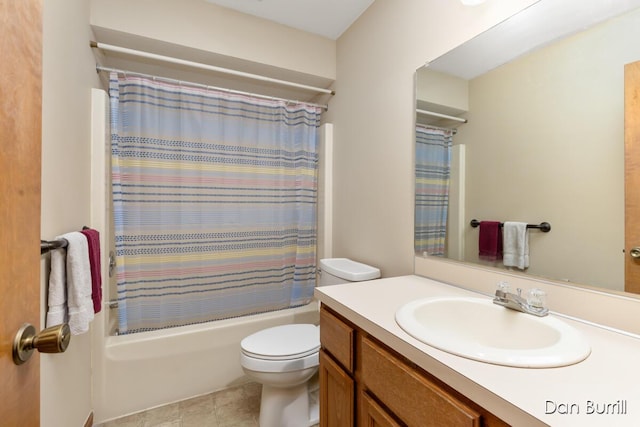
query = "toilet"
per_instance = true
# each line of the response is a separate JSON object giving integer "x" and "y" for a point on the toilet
{"x": 284, "y": 359}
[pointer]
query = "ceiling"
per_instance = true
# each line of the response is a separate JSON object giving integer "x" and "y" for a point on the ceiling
{"x": 328, "y": 18}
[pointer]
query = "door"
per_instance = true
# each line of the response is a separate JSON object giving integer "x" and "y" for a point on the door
{"x": 632, "y": 176}
{"x": 20, "y": 139}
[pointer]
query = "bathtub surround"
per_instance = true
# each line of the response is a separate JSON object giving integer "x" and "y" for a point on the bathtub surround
{"x": 139, "y": 371}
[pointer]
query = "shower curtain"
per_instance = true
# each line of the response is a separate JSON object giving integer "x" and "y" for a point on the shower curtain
{"x": 433, "y": 163}
{"x": 214, "y": 199}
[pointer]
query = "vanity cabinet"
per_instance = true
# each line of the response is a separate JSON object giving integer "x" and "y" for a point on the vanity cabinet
{"x": 337, "y": 384}
{"x": 364, "y": 383}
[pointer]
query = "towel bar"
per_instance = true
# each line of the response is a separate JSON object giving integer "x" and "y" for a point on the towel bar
{"x": 48, "y": 245}
{"x": 545, "y": 227}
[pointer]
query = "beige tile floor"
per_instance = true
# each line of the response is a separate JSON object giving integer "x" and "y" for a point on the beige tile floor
{"x": 233, "y": 407}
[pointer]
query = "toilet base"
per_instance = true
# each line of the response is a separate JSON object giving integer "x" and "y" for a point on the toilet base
{"x": 297, "y": 406}
{"x": 314, "y": 400}
{"x": 284, "y": 407}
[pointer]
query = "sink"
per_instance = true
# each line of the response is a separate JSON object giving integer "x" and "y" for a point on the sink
{"x": 478, "y": 329}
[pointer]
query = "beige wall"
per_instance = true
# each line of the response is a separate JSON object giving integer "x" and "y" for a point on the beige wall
{"x": 545, "y": 142}
{"x": 68, "y": 75}
{"x": 373, "y": 112}
{"x": 210, "y": 28}
{"x": 442, "y": 90}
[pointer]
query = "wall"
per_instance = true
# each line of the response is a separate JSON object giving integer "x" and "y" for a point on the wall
{"x": 546, "y": 129}
{"x": 68, "y": 75}
{"x": 201, "y": 27}
{"x": 373, "y": 113}
{"x": 442, "y": 90}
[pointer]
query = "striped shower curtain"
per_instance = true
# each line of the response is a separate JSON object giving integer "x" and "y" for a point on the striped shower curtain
{"x": 433, "y": 160}
{"x": 214, "y": 199}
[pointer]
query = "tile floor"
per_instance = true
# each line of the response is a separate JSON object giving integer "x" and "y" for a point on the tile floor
{"x": 233, "y": 407}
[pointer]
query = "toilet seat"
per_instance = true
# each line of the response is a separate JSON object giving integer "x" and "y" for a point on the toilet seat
{"x": 279, "y": 366}
{"x": 281, "y": 348}
{"x": 283, "y": 342}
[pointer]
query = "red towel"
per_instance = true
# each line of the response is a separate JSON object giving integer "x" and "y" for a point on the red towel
{"x": 490, "y": 241}
{"x": 93, "y": 239}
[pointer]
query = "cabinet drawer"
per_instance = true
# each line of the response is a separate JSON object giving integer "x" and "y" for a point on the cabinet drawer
{"x": 409, "y": 394}
{"x": 337, "y": 338}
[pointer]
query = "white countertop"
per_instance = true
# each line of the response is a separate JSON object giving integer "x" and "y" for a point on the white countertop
{"x": 608, "y": 380}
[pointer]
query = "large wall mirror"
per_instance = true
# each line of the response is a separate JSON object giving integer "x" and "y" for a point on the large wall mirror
{"x": 543, "y": 98}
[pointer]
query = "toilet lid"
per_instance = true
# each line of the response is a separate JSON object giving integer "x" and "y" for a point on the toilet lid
{"x": 283, "y": 342}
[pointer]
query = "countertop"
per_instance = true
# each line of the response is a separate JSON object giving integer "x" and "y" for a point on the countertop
{"x": 603, "y": 390}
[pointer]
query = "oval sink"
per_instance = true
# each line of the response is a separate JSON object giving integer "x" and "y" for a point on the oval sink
{"x": 478, "y": 329}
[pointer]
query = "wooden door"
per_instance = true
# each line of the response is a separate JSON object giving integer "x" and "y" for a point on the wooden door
{"x": 632, "y": 174}
{"x": 20, "y": 146}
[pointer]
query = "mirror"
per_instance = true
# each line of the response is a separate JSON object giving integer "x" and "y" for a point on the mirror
{"x": 543, "y": 141}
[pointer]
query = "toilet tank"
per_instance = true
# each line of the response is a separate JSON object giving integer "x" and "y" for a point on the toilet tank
{"x": 334, "y": 271}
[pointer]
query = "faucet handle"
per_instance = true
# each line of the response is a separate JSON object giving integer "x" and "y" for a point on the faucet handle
{"x": 537, "y": 298}
{"x": 502, "y": 287}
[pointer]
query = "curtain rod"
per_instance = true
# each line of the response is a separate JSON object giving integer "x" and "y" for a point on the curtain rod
{"x": 443, "y": 116}
{"x": 200, "y": 85}
{"x": 452, "y": 130}
{"x": 208, "y": 67}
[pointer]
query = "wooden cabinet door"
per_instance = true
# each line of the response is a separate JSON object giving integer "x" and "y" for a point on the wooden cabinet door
{"x": 336, "y": 394}
{"x": 373, "y": 415}
{"x": 412, "y": 397}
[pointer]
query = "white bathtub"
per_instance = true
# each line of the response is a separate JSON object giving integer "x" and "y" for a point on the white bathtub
{"x": 132, "y": 373}
{"x": 140, "y": 371}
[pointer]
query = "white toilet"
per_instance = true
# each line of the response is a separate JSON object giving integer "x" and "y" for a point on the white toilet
{"x": 284, "y": 358}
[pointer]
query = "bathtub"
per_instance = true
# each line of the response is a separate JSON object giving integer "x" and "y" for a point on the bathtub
{"x": 144, "y": 370}
{"x": 132, "y": 373}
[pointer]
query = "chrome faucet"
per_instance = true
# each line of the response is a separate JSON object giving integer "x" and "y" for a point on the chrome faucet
{"x": 533, "y": 304}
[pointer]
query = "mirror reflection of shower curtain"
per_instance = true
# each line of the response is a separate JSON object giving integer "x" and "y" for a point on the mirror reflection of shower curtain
{"x": 214, "y": 203}
{"x": 433, "y": 165}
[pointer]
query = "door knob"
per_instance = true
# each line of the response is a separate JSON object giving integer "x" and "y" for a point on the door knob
{"x": 54, "y": 339}
{"x": 635, "y": 252}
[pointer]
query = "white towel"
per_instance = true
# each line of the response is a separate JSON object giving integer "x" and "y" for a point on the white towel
{"x": 515, "y": 245}
{"x": 77, "y": 308}
{"x": 57, "y": 299}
